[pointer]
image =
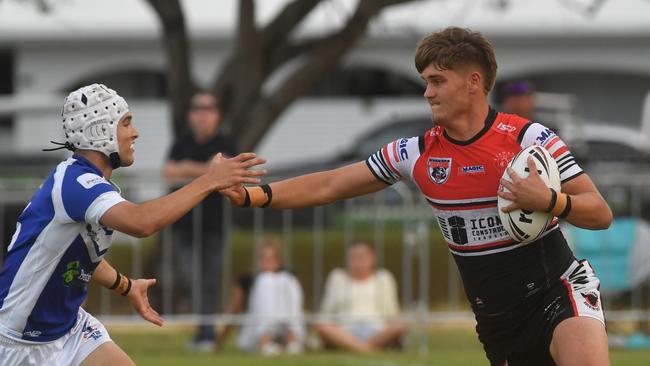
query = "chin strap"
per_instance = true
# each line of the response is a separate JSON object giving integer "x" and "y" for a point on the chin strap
{"x": 115, "y": 160}
{"x": 66, "y": 145}
{"x": 113, "y": 157}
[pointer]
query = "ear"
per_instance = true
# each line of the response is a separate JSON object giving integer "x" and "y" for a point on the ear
{"x": 475, "y": 82}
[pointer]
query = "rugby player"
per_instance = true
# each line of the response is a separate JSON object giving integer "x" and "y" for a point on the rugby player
{"x": 535, "y": 304}
{"x": 65, "y": 231}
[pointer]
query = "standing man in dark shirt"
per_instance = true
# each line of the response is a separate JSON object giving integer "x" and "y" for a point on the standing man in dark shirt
{"x": 197, "y": 236}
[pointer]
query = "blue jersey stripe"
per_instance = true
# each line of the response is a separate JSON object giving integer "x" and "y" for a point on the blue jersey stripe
{"x": 65, "y": 285}
{"x": 33, "y": 220}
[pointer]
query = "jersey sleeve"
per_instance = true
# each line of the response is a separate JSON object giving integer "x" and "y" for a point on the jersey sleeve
{"x": 87, "y": 197}
{"x": 538, "y": 134}
{"x": 395, "y": 160}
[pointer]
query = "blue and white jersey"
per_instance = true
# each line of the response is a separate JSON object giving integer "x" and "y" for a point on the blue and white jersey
{"x": 57, "y": 245}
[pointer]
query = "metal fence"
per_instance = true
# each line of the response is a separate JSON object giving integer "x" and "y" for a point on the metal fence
{"x": 396, "y": 221}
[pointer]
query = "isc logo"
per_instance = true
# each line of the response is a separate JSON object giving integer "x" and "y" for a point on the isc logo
{"x": 508, "y": 128}
{"x": 403, "y": 153}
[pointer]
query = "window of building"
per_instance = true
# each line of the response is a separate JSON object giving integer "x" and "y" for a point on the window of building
{"x": 611, "y": 97}
{"x": 6, "y": 86}
{"x": 135, "y": 83}
{"x": 361, "y": 81}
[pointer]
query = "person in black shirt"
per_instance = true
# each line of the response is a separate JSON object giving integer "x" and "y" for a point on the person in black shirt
{"x": 188, "y": 158}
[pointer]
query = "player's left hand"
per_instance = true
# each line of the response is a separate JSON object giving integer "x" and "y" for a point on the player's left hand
{"x": 140, "y": 301}
{"x": 530, "y": 193}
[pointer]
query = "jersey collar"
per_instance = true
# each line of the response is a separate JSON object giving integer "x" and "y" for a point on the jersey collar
{"x": 489, "y": 120}
{"x": 87, "y": 163}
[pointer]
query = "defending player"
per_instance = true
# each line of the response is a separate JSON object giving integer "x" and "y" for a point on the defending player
{"x": 65, "y": 231}
{"x": 535, "y": 304}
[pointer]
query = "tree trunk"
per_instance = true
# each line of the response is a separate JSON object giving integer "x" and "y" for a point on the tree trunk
{"x": 180, "y": 85}
{"x": 252, "y": 120}
{"x": 248, "y": 108}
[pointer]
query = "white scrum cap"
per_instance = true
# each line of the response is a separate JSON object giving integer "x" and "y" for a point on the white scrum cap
{"x": 90, "y": 117}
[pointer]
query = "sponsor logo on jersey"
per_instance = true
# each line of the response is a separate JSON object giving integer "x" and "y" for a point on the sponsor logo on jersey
{"x": 545, "y": 136}
{"x": 75, "y": 275}
{"x": 502, "y": 159}
{"x": 403, "y": 153}
{"x": 85, "y": 276}
{"x": 32, "y": 333}
{"x": 487, "y": 227}
{"x": 472, "y": 169}
{"x": 71, "y": 273}
{"x": 506, "y": 127}
{"x": 472, "y": 228}
{"x": 453, "y": 229}
{"x": 439, "y": 169}
{"x": 91, "y": 331}
{"x": 89, "y": 180}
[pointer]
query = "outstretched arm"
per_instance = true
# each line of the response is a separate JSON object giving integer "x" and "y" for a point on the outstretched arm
{"x": 313, "y": 189}
{"x": 134, "y": 290}
{"x": 144, "y": 219}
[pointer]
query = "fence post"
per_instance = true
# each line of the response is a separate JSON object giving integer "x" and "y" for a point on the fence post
{"x": 423, "y": 240}
{"x": 318, "y": 254}
{"x": 2, "y": 234}
{"x": 378, "y": 234}
{"x": 166, "y": 271}
{"x": 287, "y": 236}
{"x": 226, "y": 254}
{"x": 348, "y": 225}
{"x": 197, "y": 270}
{"x": 258, "y": 232}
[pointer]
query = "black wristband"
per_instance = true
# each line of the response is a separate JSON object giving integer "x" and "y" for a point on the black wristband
{"x": 567, "y": 208}
{"x": 269, "y": 193}
{"x": 553, "y": 201}
{"x": 128, "y": 288}
{"x": 247, "y": 199}
{"x": 117, "y": 280}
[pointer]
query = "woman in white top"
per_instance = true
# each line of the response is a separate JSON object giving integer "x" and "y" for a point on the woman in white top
{"x": 360, "y": 305}
{"x": 272, "y": 299}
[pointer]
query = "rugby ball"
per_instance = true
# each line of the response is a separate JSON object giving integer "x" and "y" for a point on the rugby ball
{"x": 522, "y": 225}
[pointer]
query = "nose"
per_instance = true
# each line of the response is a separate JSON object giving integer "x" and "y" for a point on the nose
{"x": 429, "y": 92}
{"x": 136, "y": 133}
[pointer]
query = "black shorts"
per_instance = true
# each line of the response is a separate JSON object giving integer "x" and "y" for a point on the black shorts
{"x": 523, "y": 336}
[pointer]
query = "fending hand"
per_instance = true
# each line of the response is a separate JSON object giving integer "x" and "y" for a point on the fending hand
{"x": 140, "y": 301}
{"x": 225, "y": 173}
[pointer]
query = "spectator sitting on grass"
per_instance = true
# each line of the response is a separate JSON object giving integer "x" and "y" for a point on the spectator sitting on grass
{"x": 359, "y": 304}
{"x": 272, "y": 299}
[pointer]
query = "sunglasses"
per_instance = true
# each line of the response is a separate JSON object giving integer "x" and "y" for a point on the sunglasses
{"x": 197, "y": 107}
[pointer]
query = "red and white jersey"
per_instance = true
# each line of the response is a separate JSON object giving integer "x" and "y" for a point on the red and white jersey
{"x": 460, "y": 179}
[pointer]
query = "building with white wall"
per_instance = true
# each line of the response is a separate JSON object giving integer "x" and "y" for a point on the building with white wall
{"x": 602, "y": 59}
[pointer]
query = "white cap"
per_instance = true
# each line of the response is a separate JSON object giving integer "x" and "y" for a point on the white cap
{"x": 90, "y": 117}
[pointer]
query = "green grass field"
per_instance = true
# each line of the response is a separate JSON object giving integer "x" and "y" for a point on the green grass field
{"x": 449, "y": 346}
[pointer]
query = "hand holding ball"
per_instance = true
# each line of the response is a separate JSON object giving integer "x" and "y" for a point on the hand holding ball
{"x": 527, "y": 225}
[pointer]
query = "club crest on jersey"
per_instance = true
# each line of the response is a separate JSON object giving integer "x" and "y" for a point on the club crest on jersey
{"x": 592, "y": 300}
{"x": 439, "y": 169}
